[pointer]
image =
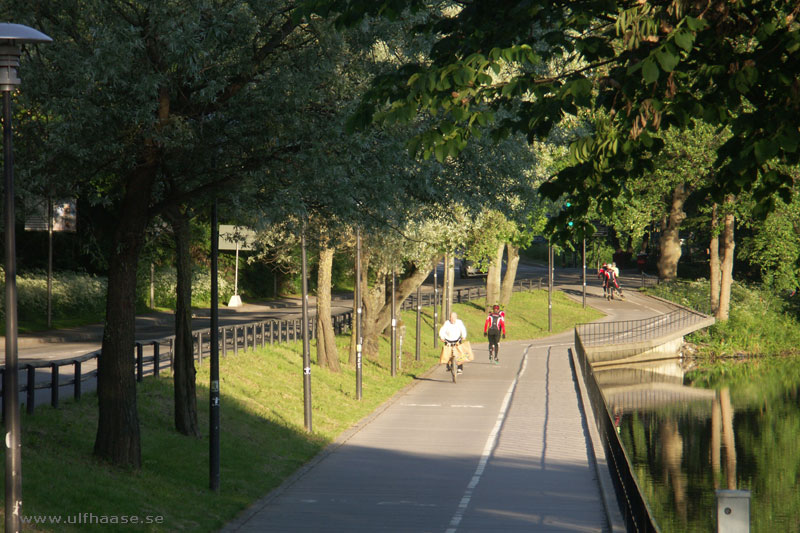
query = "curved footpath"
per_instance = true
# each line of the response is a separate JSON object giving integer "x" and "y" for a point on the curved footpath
{"x": 507, "y": 448}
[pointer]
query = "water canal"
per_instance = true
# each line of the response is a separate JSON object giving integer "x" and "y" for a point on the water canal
{"x": 690, "y": 433}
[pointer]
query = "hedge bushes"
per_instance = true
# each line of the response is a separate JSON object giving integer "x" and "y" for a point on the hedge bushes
{"x": 81, "y": 298}
{"x": 73, "y": 295}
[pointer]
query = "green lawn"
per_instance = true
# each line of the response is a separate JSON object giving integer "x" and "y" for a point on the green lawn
{"x": 262, "y": 430}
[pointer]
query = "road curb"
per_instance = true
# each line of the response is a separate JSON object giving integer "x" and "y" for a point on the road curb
{"x": 608, "y": 494}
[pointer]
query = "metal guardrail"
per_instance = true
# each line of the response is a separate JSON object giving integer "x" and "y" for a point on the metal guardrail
{"x": 635, "y": 510}
{"x": 233, "y": 338}
{"x": 467, "y": 294}
{"x": 627, "y": 331}
{"x": 634, "y": 506}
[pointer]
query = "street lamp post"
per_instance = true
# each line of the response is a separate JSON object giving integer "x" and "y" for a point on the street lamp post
{"x": 11, "y": 37}
{"x": 435, "y": 302}
{"x": 306, "y": 353}
{"x": 583, "y": 258}
{"x": 357, "y": 295}
{"x": 550, "y": 261}
{"x": 213, "y": 396}
{"x": 394, "y": 329}
{"x": 419, "y": 324}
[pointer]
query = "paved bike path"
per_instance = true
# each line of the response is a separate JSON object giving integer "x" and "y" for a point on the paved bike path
{"x": 454, "y": 457}
{"x": 507, "y": 448}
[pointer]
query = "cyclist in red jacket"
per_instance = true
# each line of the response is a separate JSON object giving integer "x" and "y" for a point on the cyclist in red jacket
{"x": 494, "y": 326}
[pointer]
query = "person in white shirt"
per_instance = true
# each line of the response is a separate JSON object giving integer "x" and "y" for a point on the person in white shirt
{"x": 453, "y": 331}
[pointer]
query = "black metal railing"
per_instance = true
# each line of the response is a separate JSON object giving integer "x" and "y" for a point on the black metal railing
{"x": 150, "y": 357}
{"x": 633, "y": 505}
{"x": 627, "y": 331}
{"x": 468, "y": 294}
{"x": 41, "y": 375}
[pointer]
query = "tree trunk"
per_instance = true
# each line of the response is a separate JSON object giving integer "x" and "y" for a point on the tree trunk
{"x": 716, "y": 439}
{"x": 185, "y": 375}
{"x": 726, "y": 277}
{"x": 713, "y": 261}
{"x": 374, "y": 301}
{"x": 118, "y": 439}
{"x": 493, "y": 278}
{"x": 379, "y": 315}
{"x": 728, "y": 439}
{"x": 670, "y": 239}
{"x": 645, "y": 242}
{"x": 672, "y": 459}
{"x": 510, "y": 276}
{"x": 327, "y": 355}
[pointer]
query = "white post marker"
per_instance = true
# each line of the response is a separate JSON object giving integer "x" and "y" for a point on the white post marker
{"x": 236, "y": 300}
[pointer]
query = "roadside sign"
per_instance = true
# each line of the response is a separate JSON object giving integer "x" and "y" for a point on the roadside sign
{"x": 236, "y": 237}
{"x": 64, "y": 215}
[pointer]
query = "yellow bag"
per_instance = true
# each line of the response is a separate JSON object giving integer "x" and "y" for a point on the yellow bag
{"x": 464, "y": 353}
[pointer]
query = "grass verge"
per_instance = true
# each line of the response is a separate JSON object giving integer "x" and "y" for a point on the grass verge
{"x": 262, "y": 431}
{"x": 761, "y": 322}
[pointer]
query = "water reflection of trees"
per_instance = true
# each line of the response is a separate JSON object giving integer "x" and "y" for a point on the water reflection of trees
{"x": 742, "y": 433}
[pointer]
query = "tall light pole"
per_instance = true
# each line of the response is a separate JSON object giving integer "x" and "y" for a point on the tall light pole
{"x": 357, "y": 295}
{"x": 306, "y": 353}
{"x": 11, "y": 37}
{"x": 583, "y": 258}
{"x": 435, "y": 303}
{"x": 419, "y": 325}
{"x": 213, "y": 417}
{"x": 550, "y": 261}
{"x": 394, "y": 329}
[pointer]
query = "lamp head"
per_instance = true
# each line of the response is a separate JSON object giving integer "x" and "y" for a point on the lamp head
{"x": 11, "y": 37}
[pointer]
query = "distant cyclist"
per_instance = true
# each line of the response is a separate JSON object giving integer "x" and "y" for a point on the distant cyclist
{"x": 494, "y": 326}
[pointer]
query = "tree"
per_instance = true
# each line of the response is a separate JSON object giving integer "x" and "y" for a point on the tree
{"x": 647, "y": 66}
{"x": 132, "y": 89}
{"x": 774, "y": 246}
{"x": 185, "y": 398}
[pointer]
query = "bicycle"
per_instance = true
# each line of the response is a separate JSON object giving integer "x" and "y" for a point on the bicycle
{"x": 452, "y": 364}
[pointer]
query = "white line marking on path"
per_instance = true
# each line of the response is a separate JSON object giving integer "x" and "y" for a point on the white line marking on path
{"x": 469, "y": 406}
{"x": 421, "y": 404}
{"x": 491, "y": 442}
{"x": 407, "y": 502}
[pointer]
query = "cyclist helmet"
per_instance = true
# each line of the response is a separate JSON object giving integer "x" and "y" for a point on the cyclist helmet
{"x": 496, "y": 307}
